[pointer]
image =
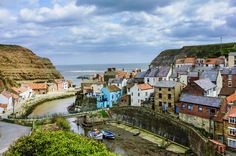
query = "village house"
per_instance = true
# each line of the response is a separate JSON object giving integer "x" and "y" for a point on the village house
{"x": 229, "y": 77}
{"x": 52, "y": 87}
{"x": 199, "y": 110}
{"x": 215, "y": 62}
{"x": 113, "y": 73}
{"x": 232, "y": 59}
{"x": 193, "y": 76}
{"x": 108, "y": 96}
{"x": 180, "y": 74}
{"x": 230, "y": 128}
{"x": 62, "y": 85}
{"x": 119, "y": 82}
{"x": 140, "y": 93}
{"x": 231, "y": 100}
{"x": 154, "y": 75}
{"x": 166, "y": 95}
{"x": 202, "y": 87}
{"x": 24, "y": 92}
{"x": 215, "y": 77}
{"x": 138, "y": 78}
{"x": 38, "y": 88}
{"x": 188, "y": 61}
{"x": 7, "y": 101}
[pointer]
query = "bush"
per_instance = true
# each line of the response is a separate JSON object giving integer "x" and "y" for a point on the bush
{"x": 103, "y": 113}
{"x": 61, "y": 122}
{"x": 56, "y": 143}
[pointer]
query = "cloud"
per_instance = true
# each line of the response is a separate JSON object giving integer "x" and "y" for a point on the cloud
{"x": 58, "y": 15}
{"x": 113, "y": 6}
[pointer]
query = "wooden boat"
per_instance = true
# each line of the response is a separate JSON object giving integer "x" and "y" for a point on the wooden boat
{"x": 95, "y": 134}
{"x": 108, "y": 134}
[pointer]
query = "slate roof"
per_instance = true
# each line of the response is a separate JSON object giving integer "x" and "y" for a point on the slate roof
{"x": 212, "y": 75}
{"x": 227, "y": 91}
{"x": 205, "y": 84}
{"x": 227, "y": 71}
{"x": 201, "y": 100}
{"x": 203, "y": 68}
{"x": 232, "y": 54}
{"x": 193, "y": 74}
{"x": 115, "y": 80}
{"x": 113, "y": 88}
{"x": 152, "y": 72}
{"x": 165, "y": 84}
{"x": 141, "y": 75}
{"x": 163, "y": 71}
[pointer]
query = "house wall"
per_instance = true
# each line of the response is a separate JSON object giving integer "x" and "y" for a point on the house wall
{"x": 219, "y": 83}
{"x": 226, "y": 80}
{"x": 227, "y": 135}
{"x": 183, "y": 79}
{"x": 137, "y": 95}
{"x": 231, "y": 61}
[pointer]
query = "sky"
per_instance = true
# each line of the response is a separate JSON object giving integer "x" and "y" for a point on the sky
{"x": 114, "y": 31}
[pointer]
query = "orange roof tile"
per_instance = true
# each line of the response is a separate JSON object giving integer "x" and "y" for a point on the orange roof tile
{"x": 144, "y": 86}
{"x": 214, "y": 61}
{"x": 231, "y": 112}
{"x": 122, "y": 74}
{"x": 6, "y": 94}
{"x": 113, "y": 88}
{"x": 217, "y": 143}
{"x": 231, "y": 98}
{"x": 3, "y": 105}
{"x": 37, "y": 85}
{"x": 179, "y": 61}
{"x": 190, "y": 60}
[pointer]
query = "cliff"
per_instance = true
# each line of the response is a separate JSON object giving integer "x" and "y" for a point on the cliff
{"x": 21, "y": 64}
{"x": 167, "y": 57}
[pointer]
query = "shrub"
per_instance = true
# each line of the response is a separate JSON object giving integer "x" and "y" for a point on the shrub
{"x": 56, "y": 143}
{"x": 61, "y": 122}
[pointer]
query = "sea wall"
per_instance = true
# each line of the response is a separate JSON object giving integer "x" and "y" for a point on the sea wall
{"x": 165, "y": 126}
{"x": 28, "y": 106}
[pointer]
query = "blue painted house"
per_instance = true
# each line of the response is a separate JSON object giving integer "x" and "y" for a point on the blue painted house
{"x": 108, "y": 96}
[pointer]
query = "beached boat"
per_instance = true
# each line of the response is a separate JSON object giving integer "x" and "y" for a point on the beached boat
{"x": 95, "y": 134}
{"x": 108, "y": 134}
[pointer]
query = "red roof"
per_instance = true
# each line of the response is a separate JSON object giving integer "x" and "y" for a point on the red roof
{"x": 6, "y": 94}
{"x": 19, "y": 90}
{"x": 215, "y": 61}
{"x": 231, "y": 98}
{"x": 35, "y": 86}
{"x": 231, "y": 112}
{"x": 217, "y": 143}
{"x": 3, "y": 105}
{"x": 144, "y": 86}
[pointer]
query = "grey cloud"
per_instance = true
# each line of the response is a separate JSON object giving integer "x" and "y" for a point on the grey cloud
{"x": 105, "y": 6}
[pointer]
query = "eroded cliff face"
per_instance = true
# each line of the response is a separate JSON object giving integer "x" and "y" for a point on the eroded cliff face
{"x": 21, "y": 64}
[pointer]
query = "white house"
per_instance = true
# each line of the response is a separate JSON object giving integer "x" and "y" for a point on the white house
{"x": 208, "y": 87}
{"x": 6, "y": 101}
{"x": 119, "y": 82}
{"x": 96, "y": 88}
{"x": 154, "y": 75}
{"x": 23, "y": 92}
{"x": 140, "y": 93}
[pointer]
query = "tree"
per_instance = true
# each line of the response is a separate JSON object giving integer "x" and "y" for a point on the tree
{"x": 56, "y": 143}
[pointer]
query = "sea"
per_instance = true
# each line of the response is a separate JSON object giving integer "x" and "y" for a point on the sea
{"x": 71, "y": 72}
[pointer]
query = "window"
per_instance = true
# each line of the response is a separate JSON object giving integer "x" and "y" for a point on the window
{"x": 232, "y": 131}
{"x": 169, "y": 104}
{"x": 147, "y": 79}
{"x": 138, "y": 100}
{"x": 132, "y": 94}
{"x": 160, "y": 95}
{"x": 199, "y": 108}
{"x": 138, "y": 94}
{"x": 230, "y": 77}
{"x": 128, "y": 89}
{"x": 232, "y": 120}
{"x": 146, "y": 99}
{"x": 213, "y": 111}
{"x": 182, "y": 105}
{"x": 190, "y": 107}
{"x": 229, "y": 83}
{"x": 160, "y": 103}
{"x": 231, "y": 143}
{"x": 169, "y": 96}
{"x": 159, "y": 89}
{"x": 169, "y": 89}
{"x": 146, "y": 93}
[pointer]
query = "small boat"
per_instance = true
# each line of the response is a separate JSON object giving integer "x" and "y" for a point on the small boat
{"x": 95, "y": 134}
{"x": 136, "y": 134}
{"x": 108, "y": 134}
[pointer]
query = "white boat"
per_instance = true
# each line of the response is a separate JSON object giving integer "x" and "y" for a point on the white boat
{"x": 95, "y": 134}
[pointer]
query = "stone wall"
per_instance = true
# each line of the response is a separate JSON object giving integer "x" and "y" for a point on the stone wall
{"x": 166, "y": 126}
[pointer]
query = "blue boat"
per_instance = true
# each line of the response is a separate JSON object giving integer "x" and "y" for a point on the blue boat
{"x": 108, "y": 134}
{"x": 95, "y": 134}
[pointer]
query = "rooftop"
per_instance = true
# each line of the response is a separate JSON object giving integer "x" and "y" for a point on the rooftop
{"x": 212, "y": 75}
{"x": 37, "y": 85}
{"x": 231, "y": 112}
{"x": 6, "y": 94}
{"x": 144, "y": 86}
{"x": 228, "y": 71}
{"x": 227, "y": 91}
{"x": 141, "y": 75}
{"x": 205, "y": 84}
{"x": 231, "y": 98}
{"x": 113, "y": 88}
{"x": 165, "y": 84}
{"x": 201, "y": 100}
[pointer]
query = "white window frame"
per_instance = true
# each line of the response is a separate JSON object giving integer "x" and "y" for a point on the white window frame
{"x": 231, "y": 140}
{"x": 232, "y": 120}
{"x": 232, "y": 131}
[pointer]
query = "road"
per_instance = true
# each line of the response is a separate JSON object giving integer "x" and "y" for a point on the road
{"x": 9, "y": 133}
